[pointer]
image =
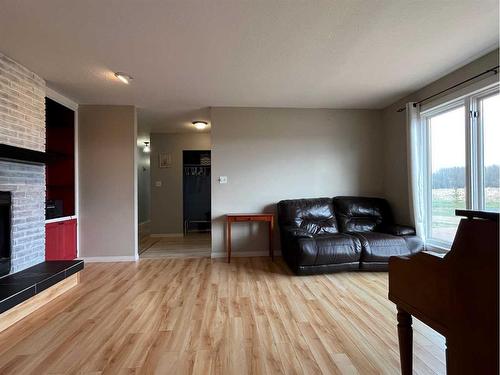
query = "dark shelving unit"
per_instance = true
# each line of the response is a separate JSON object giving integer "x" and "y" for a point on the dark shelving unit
{"x": 60, "y": 148}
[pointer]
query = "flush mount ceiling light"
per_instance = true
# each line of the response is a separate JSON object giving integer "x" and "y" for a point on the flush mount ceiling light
{"x": 146, "y": 147}
{"x": 124, "y": 77}
{"x": 200, "y": 125}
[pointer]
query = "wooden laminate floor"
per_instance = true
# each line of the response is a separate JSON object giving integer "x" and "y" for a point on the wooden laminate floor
{"x": 203, "y": 316}
{"x": 191, "y": 245}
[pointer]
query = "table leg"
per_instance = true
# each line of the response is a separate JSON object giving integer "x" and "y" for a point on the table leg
{"x": 228, "y": 241}
{"x": 405, "y": 335}
{"x": 271, "y": 230}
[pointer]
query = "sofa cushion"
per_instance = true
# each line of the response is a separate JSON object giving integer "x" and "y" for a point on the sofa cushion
{"x": 361, "y": 214}
{"x": 378, "y": 247}
{"x": 316, "y": 226}
{"x": 328, "y": 249}
{"x": 396, "y": 230}
{"x": 314, "y": 216}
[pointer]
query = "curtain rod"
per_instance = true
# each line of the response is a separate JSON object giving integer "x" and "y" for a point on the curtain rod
{"x": 491, "y": 70}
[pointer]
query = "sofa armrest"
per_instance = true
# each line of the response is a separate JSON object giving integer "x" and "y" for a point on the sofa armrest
{"x": 296, "y": 232}
{"x": 397, "y": 230}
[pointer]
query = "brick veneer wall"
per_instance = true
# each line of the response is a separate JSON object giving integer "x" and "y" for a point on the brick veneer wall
{"x": 22, "y": 124}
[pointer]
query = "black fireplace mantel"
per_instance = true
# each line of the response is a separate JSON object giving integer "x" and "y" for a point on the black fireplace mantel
{"x": 22, "y": 155}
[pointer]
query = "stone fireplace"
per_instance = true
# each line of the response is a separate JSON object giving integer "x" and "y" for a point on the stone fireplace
{"x": 22, "y": 124}
{"x": 26, "y": 185}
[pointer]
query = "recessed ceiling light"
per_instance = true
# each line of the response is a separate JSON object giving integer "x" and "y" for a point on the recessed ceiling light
{"x": 124, "y": 77}
{"x": 200, "y": 125}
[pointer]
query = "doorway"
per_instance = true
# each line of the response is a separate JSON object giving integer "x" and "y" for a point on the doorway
{"x": 196, "y": 192}
{"x": 180, "y": 183}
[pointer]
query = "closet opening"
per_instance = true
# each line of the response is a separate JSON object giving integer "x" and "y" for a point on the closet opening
{"x": 197, "y": 192}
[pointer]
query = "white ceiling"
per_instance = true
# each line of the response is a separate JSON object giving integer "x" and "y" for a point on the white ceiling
{"x": 187, "y": 55}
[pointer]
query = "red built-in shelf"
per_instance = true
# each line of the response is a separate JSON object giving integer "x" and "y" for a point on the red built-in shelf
{"x": 60, "y": 240}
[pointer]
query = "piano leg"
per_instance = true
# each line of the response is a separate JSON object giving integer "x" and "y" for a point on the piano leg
{"x": 405, "y": 335}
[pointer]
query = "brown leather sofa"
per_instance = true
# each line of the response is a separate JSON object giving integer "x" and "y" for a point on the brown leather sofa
{"x": 324, "y": 235}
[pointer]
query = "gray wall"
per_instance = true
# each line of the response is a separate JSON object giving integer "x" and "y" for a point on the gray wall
{"x": 143, "y": 185}
{"x": 273, "y": 154}
{"x": 395, "y": 160}
{"x": 166, "y": 201}
{"x": 107, "y": 175}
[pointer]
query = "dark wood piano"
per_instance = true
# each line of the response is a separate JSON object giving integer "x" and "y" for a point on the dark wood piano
{"x": 455, "y": 294}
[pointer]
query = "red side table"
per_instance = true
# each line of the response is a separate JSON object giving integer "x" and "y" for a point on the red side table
{"x": 232, "y": 218}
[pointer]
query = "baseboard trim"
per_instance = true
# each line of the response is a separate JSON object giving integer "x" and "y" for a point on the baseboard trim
{"x": 160, "y": 235}
{"x": 131, "y": 258}
{"x": 245, "y": 254}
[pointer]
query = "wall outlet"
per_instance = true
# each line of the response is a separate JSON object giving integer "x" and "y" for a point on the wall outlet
{"x": 158, "y": 183}
{"x": 222, "y": 179}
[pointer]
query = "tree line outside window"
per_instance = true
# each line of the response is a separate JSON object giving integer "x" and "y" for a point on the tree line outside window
{"x": 454, "y": 177}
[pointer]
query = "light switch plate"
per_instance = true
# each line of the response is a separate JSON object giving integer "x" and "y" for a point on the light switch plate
{"x": 222, "y": 179}
{"x": 158, "y": 183}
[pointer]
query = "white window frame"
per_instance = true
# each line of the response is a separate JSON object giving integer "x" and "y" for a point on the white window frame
{"x": 478, "y": 152}
{"x": 474, "y": 163}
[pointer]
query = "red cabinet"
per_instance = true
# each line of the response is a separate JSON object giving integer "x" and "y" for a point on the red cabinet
{"x": 60, "y": 240}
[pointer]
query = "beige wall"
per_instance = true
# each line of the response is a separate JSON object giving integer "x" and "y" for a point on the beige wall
{"x": 107, "y": 175}
{"x": 395, "y": 161}
{"x": 274, "y": 154}
{"x": 166, "y": 201}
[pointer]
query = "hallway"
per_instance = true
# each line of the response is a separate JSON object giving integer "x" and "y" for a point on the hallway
{"x": 191, "y": 246}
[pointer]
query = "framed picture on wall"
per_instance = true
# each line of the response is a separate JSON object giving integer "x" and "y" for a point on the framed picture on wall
{"x": 164, "y": 160}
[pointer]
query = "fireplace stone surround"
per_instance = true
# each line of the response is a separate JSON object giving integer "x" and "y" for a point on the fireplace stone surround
{"x": 22, "y": 125}
{"x": 26, "y": 185}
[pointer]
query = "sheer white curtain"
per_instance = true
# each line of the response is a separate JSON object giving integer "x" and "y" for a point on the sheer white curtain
{"x": 415, "y": 149}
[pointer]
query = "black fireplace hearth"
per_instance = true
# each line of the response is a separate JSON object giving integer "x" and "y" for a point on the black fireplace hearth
{"x": 5, "y": 222}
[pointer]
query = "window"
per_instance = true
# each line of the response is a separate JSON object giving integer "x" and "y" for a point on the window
{"x": 490, "y": 128}
{"x": 462, "y": 160}
{"x": 447, "y": 151}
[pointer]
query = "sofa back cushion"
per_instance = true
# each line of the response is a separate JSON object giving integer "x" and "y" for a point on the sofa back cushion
{"x": 361, "y": 214}
{"x": 316, "y": 216}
